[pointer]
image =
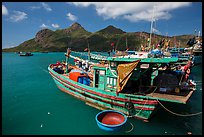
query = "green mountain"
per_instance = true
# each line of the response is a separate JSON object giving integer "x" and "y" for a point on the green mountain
{"x": 110, "y": 31}
{"x": 77, "y": 38}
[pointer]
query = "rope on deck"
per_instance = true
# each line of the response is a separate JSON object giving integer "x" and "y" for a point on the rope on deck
{"x": 187, "y": 115}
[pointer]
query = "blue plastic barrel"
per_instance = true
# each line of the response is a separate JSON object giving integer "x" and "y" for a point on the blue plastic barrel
{"x": 80, "y": 80}
{"x": 86, "y": 81}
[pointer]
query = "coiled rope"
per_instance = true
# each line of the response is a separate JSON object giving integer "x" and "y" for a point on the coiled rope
{"x": 187, "y": 115}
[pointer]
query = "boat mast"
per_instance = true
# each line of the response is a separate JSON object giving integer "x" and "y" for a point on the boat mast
{"x": 150, "y": 37}
{"x": 67, "y": 59}
{"x": 67, "y": 55}
{"x": 175, "y": 42}
{"x": 126, "y": 43}
{"x": 199, "y": 34}
{"x": 195, "y": 33}
{"x": 152, "y": 20}
{"x": 88, "y": 50}
{"x": 179, "y": 45}
{"x": 193, "y": 41}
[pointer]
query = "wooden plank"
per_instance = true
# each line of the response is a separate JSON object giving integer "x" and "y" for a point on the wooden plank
{"x": 95, "y": 106}
{"x": 171, "y": 98}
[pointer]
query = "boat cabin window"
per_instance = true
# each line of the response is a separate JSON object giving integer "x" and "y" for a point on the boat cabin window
{"x": 108, "y": 80}
{"x": 111, "y": 83}
{"x": 114, "y": 82}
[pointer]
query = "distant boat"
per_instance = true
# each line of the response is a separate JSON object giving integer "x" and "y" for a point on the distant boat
{"x": 197, "y": 53}
{"x": 44, "y": 52}
{"x": 195, "y": 48}
{"x": 25, "y": 54}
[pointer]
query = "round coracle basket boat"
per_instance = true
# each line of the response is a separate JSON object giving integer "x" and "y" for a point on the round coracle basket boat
{"x": 110, "y": 120}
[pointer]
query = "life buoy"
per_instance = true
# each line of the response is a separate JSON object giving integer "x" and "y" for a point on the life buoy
{"x": 90, "y": 67}
{"x": 129, "y": 105}
{"x": 188, "y": 71}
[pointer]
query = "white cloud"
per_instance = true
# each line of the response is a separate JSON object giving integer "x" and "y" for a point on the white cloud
{"x": 35, "y": 7}
{"x": 55, "y": 26}
{"x": 134, "y": 11}
{"x": 46, "y": 6}
{"x": 18, "y": 16}
{"x": 81, "y": 4}
{"x": 4, "y": 10}
{"x": 43, "y": 26}
{"x": 71, "y": 17}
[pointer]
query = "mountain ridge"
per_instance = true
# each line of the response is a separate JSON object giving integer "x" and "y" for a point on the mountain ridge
{"x": 77, "y": 38}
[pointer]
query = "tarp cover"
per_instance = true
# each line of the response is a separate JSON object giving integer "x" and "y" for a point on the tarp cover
{"x": 124, "y": 73}
{"x": 156, "y": 51}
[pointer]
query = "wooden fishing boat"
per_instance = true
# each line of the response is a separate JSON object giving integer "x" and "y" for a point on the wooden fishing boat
{"x": 132, "y": 86}
{"x": 44, "y": 52}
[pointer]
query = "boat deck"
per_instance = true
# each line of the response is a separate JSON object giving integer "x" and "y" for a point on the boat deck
{"x": 173, "y": 98}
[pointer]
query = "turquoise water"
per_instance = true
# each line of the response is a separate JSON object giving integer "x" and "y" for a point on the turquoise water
{"x": 33, "y": 105}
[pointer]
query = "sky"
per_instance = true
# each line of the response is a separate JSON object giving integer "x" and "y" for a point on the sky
{"x": 22, "y": 20}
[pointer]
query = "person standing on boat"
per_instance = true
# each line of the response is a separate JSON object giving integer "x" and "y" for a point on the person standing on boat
{"x": 87, "y": 66}
{"x": 113, "y": 46}
{"x": 80, "y": 64}
{"x": 109, "y": 53}
{"x": 186, "y": 71}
